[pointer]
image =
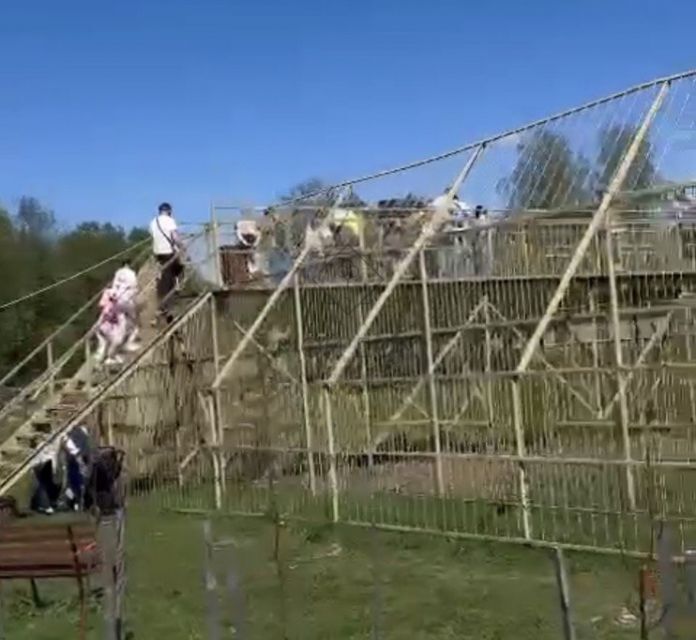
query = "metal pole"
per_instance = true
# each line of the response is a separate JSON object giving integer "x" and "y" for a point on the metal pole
{"x": 595, "y": 223}
{"x": 432, "y": 390}
{"x": 299, "y": 328}
{"x": 333, "y": 475}
{"x": 618, "y": 360}
{"x": 438, "y": 218}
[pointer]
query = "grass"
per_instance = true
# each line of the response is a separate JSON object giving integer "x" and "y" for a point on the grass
{"x": 338, "y": 582}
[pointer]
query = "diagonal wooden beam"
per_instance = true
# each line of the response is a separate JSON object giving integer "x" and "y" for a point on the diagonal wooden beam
{"x": 442, "y": 354}
{"x": 574, "y": 392}
{"x": 657, "y": 335}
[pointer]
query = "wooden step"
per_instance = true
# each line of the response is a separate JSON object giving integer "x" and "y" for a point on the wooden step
{"x": 42, "y": 424}
{"x": 72, "y": 398}
{"x": 31, "y": 440}
{"x": 14, "y": 454}
{"x": 7, "y": 468}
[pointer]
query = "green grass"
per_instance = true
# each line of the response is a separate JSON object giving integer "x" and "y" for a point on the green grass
{"x": 327, "y": 580}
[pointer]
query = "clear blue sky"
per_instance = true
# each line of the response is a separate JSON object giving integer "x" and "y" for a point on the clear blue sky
{"x": 108, "y": 108}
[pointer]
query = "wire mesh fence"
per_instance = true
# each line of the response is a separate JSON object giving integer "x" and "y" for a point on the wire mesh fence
{"x": 522, "y": 375}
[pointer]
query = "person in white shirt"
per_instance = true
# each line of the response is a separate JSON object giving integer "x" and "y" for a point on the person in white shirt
{"x": 165, "y": 246}
{"x": 125, "y": 289}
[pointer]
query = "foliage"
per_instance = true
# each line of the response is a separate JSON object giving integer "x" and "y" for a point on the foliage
{"x": 34, "y": 253}
{"x": 613, "y": 142}
{"x": 549, "y": 174}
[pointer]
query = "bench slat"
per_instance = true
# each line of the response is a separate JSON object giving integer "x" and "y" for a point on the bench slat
{"x": 41, "y": 533}
{"x": 45, "y": 550}
{"x": 42, "y": 539}
{"x": 30, "y": 554}
{"x": 43, "y": 571}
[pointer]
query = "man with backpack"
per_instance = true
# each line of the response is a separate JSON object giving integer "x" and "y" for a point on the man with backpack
{"x": 166, "y": 246}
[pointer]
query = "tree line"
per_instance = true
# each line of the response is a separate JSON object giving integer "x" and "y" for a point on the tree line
{"x": 34, "y": 253}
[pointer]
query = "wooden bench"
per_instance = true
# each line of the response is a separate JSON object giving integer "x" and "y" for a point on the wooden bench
{"x": 35, "y": 548}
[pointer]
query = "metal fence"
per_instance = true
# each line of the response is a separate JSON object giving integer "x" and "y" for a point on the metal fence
{"x": 529, "y": 378}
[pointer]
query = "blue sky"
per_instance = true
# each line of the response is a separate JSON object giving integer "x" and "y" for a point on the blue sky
{"x": 107, "y": 108}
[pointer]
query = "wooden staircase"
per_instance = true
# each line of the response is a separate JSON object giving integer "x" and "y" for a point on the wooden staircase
{"x": 48, "y": 403}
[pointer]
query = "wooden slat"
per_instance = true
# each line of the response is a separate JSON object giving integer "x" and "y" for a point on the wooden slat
{"x": 31, "y": 553}
{"x": 46, "y": 571}
{"x": 43, "y": 550}
{"x": 56, "y": 532}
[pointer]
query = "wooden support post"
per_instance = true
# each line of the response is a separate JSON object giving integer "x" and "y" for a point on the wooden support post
{"x": 49, "y": 366}
{"x": 432, "y": 390}
{"x": 595, "y": 353}
{"x": 88, "y": 369}
{"x": 521, "y": 452}
{"x": 215, "y": 246}
{"x": 304, "y": 387}
{"x": 179, "y": 460}
{"x": 618, "y": 361}
{"x": 442, "y": 354}
{"x": 215, "y": 409}
{"x": 333, "y": 475}
{"x": 690, "y": 358}
{"x": 488, "y": 366}
{"x": 367, "y": 413}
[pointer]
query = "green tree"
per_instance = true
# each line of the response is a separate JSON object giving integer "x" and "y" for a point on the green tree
{"x": 34, "y": 253}
{"x": 547, "y": 174}
{"x": 303, "y": 191}
{"x": 613, "y": 143}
